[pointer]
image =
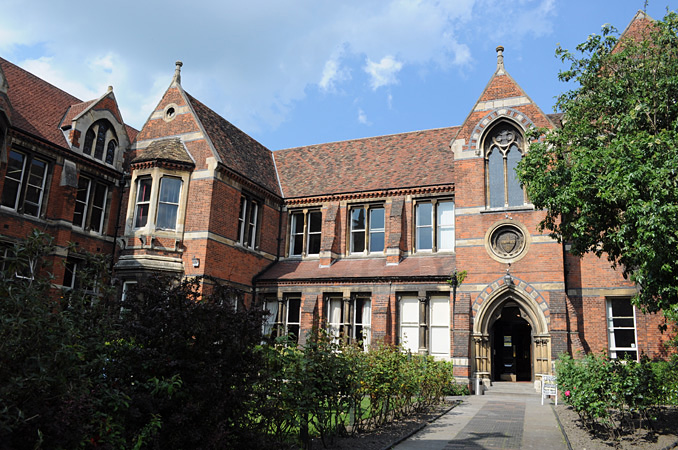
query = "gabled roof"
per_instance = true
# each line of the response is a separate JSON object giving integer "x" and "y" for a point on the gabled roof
{"x": 38, "y": 107}
{"x": 406, "y": 160}
{"x": 237, "y": 150}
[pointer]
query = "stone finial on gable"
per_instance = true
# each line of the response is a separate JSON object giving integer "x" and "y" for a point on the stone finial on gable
{"x": 177, "y": 72}
{"x": 500, "y": 59}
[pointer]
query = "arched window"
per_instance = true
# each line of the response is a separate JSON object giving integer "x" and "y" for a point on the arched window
{"x": 504, "y": 147}
{"x": 102, "y": 137}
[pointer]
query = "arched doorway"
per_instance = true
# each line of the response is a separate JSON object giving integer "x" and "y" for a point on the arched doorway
{"x": 511, "y": 341}
{"x": 510, "y": 338}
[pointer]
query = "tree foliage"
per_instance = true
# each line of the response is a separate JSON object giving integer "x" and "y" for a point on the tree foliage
{"x": 608, "y": 179}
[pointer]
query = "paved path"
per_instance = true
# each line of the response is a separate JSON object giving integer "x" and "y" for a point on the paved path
{"x": 511, "y": 419}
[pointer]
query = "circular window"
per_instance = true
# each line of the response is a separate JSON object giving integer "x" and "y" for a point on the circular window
{"x": 170, "y": 112}
{"x": 507, "y": 241}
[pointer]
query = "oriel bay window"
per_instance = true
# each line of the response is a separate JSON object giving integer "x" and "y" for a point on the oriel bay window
{"x": 349, "y": 318}
{"x": 157, "y": 202}
{"x": 24, "y": 183}
{"x": 247, "y": 221}
{"x": 90, "y": 205}
{"x": 367, "y": 229}
{"x": 284, "y": 317}
{"x": 434, "y": 225}
{"x": 425, "y": 324}
{"x": 305, "y": 232}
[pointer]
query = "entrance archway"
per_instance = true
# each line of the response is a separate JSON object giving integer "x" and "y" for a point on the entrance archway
{"x": 511, "y": 341}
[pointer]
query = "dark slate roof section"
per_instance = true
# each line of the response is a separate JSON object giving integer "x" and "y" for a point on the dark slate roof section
{"x": 434, "y": 266}
{"x": 237, "y": 150}
{"x": 418, "y": 158}
{"x": 38, "y": 107}
{"x": 165, "y": 150}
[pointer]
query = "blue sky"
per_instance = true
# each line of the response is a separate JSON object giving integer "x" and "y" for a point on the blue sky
{"x": 300, "y": 72}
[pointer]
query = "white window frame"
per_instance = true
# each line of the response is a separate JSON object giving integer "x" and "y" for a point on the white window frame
{"x": 368, "y": 231}
{"x": 342, "y": 314}
{"x": 284, "y": 317}
{"x": 436, "y": 227}
{"x": 424, "y": 324}
{"x": 89, "y": 204}
{"x": 306, "y": 233}
{"x": 614, "y": 349}
{"x": 248, "y": 221}
{"x": 24, "y": 184}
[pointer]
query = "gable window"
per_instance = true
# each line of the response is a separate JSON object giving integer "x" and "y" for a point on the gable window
{"x": 305, "y": 232}
{"x": 349, "y": 318}
{"x": 425, "y": 324}
{"x": 24, "y": 183}
{"x": 621, "y": 328}
{"x": 503, "y": 151}
{"x": 284, "y": 317}
{"x": 90, "y": 205}
{"x": 434, "y": 225}
{"x": 101, "y": 139}
{"x": 247, "y": 221}
{"x": 367, "y": 229}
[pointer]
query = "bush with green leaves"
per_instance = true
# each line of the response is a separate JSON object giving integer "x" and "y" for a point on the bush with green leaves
{"x": 617, "y": 395}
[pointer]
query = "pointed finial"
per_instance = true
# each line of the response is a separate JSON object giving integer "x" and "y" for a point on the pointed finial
{"x": 500, "y": 58}
{"x": 177, "y": 72}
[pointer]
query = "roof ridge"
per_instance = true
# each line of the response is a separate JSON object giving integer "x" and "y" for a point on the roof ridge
{"x": 366, "y": 138}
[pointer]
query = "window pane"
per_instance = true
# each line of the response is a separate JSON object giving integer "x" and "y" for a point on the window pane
{"x": 314, "y": 244}
{"x": 377, "y": 241}
{"x": 15, "y": 168}
{"x": 515, "y": 191}
{"x": 424, "y": 214}
{"x": 496, "y": 178}
{"x": 81, "y": 202}
{"x": 315, "y": 220}
{"x": 170, "y": 189}
{"x": 167, "y": 216}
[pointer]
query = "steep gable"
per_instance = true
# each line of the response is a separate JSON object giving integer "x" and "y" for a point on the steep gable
{"x": 416, "y": 159}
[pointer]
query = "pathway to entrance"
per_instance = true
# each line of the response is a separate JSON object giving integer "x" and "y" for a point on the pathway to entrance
{"x": 509, "y": 416}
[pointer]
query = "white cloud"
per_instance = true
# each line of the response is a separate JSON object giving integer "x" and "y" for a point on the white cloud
{"x": 362, "y": 117}
{"x": 384, "y": 72}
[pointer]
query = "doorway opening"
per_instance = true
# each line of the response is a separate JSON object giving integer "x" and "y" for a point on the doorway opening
{"x": 511, "y": 346}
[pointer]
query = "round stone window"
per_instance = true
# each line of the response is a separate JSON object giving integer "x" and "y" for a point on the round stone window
{"x": 507, "y": 241}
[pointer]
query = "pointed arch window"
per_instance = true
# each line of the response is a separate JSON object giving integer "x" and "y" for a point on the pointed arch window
{"x": 101, "y": 141}
{"x": 504, "y": 147}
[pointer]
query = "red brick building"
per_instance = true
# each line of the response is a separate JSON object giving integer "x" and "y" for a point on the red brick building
{"x": 359, "y": 236}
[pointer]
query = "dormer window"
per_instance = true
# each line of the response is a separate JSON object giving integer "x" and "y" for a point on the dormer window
{"x": 100, "y": 139}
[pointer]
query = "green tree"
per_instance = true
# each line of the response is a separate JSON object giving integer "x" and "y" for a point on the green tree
{"x": 608, "y": 179}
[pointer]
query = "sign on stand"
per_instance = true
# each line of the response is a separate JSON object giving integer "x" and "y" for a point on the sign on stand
{"x": 549, "y": 387}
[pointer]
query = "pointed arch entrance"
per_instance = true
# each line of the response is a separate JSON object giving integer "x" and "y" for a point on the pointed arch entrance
{"x": 511, "y": 341}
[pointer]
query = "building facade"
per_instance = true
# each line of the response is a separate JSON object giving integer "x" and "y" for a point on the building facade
{"x": 361, "y": 236}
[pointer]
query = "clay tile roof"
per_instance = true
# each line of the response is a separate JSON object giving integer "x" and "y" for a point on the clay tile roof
{"x": 74, "y": 111}
{"x": 369, "y": 268}
{"x": 165, "y": 150}
{"x": 238, "y": 151}
{"x": 38, "y": 107}
{"x": 419, "y": 158}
